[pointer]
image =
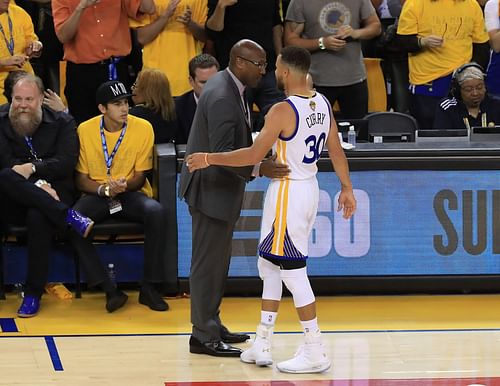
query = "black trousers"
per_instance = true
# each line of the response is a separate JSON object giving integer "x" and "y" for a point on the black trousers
{"x": 82, "y": 81}
{"x": 353, "y": 99}
{"x": 24, "y": 204}
{"x": 135, "y": 206}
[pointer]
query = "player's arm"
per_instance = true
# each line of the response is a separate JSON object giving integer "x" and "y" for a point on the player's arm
{"x": 276, "y": 119}
{"x": 347, "y": 202}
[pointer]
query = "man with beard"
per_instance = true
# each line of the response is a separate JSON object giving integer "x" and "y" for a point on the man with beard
{"x": 38, "y": 154}
{"x": 468, "y": 104}
{"x": 296, "y": 130}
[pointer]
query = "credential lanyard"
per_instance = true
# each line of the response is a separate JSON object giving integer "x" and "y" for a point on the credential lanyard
{"x": 29, "y": 142}
{"x": 108, "y": 158}
{"x": 9, "y": 43}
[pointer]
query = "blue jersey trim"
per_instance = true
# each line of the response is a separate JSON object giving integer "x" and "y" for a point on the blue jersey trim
{"x": 296, "y": 122}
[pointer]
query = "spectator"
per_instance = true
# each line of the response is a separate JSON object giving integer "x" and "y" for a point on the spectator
{"x": 154, "y": 103}
{"x": 176, "y": 27}
{"x": 116, "y": 185}
{"x": 21, "y": 43}
{"x": 201, "y": 68}
{"x": 38, "y": 154}
{"x": 439, "y": 38}
{"x": 332, "y": 31}
{"x": 259, "y": 20}
{"x": 94, "y": 46}
{"x": 468, "y": 105}
{"x": 492, "y": 19}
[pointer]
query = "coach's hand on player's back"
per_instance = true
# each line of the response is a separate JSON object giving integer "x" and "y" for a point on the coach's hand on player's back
{"x": 272, "y": 169}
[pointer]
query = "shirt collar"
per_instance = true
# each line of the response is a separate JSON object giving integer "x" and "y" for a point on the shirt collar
{"x": 241, "y": 86}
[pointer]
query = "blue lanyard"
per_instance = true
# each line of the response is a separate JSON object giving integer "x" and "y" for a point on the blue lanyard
{"x": 108, "y": 158}
{"x": 9, "y": 43}
{"x": 112, "y": 70}
{"x": 29, "y": 142}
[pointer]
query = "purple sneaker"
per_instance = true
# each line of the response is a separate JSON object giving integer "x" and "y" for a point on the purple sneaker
{"x": 81, "y": 224}
{"x": 29, "y": 307}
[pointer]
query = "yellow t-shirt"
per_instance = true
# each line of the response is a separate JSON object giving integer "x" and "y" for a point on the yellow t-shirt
{"x": 174, "y": 46}
{"x": 134, "y": 154}
{"x": 459, "y": 22}
{"x": 22, "y": 34}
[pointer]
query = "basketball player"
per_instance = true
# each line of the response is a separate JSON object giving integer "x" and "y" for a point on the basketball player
{"x": 296, "y": 130}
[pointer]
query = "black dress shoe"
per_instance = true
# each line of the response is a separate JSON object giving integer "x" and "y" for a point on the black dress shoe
{"x": 233, "y": 337}
{"x": 151, "y": 298}
{"x": 216, "y": 349}
{"x": 115, "y": 300}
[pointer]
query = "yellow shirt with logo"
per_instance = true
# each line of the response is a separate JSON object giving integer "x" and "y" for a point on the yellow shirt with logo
{"x": 22, "y": 34}
{"x": 459, "y": 22}
{"x": 174, "y": 46}
{"x": 134, "y": 154}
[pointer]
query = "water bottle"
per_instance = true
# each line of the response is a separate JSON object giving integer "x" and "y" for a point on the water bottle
{"x": 351, "y": 136}
{"x": 19, "y": 289}
{"x": 112, "y": 273}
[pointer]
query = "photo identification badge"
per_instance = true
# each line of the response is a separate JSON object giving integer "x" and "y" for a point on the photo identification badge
{"x": 114, "y": 206}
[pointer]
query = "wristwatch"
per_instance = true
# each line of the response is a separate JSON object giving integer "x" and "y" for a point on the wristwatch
{"x": 106, "y": 191}
{"x": 39, "y": 183}
{"x": 33, "y": 168}
{"x": 321, "y": 43}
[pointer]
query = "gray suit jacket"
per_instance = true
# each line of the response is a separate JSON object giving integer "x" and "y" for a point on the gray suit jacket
{"x": 219, "y": 125}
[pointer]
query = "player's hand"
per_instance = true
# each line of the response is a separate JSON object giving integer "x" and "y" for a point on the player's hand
{"x": 272, "y": 169}
{"x": 197, "y": 161}
{"x": 347, "y": 203}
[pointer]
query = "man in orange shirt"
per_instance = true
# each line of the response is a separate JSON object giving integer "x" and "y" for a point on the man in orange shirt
{"x": 96, "y": 37}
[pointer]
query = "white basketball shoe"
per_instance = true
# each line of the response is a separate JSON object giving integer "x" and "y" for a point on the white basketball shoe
{"x": 260, "y": 352}
{"x": 309, "y": 358}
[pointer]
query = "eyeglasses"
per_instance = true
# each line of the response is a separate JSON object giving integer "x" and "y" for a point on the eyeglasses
{"x": 469, "y": 89}
{"x": 262, "y": 66}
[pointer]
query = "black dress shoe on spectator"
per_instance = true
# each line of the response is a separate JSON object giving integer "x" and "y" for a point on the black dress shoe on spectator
{"x": 151, "y": 298}
{"x": 233, "y": 337}
{"x": 216, "y": 349}
{"x": 115, "y": 300}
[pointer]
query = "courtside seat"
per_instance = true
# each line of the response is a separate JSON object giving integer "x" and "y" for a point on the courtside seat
{"x": 164, "y": 188}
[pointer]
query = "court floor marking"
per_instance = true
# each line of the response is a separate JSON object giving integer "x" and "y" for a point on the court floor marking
{"x": 54, "y": 354}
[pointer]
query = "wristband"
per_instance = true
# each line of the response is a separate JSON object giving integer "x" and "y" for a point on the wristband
{"x": 321, "y": 43}
{"x": 106, "y": 191}
{"x": 99, "y": 190}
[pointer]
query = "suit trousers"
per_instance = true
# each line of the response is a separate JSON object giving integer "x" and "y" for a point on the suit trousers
{"x": 210, "y": 260}
{"x": 136, "y": 206}
{"x": 24, "y": 204}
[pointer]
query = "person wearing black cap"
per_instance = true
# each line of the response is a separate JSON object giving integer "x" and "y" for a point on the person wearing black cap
{"x": 116, "y": 152}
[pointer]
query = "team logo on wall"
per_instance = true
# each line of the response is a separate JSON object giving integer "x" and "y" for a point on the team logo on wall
{"x": 333, "y": 16}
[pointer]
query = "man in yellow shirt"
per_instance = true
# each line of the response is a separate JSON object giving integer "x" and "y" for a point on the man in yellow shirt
{"x": 439, "y": 35}
{"x": 20, "y": 42}
{"x": 171, "y": 37}
{"x": 116, "y": 152}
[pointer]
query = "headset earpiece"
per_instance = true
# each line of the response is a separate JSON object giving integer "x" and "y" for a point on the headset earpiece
{"x": 454, "y": 86}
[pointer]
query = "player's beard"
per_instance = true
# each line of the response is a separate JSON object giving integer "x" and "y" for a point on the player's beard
{"x": 25, "y": 121}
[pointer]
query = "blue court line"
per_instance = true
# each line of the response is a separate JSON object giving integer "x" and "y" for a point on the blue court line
{"x": 252, "y": 332}
{"x": 8, "y": 325}
{"x": 54, "y": 355}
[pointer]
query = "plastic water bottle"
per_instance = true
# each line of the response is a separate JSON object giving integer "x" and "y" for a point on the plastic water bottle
{"x": 112, "y": 273}
{"x": 19, "y": 289}
{"x": 351, "y": 136}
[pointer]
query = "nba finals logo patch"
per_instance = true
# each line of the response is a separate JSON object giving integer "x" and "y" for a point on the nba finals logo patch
{"x": 333, "y": 16}
{"x": 312, "y": 105}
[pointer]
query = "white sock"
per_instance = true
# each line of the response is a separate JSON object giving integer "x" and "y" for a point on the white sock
{"x": 310, "y": 325}
{"x": 268, "y": 318}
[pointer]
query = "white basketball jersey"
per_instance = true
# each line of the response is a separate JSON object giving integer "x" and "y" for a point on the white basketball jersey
{"x": 303, "y": 148}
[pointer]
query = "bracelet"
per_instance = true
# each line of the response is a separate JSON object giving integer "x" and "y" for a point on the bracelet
{"x": 419, "y": 42}
{"x": 321, "y": 43}
{"x": 99, "y": 189}
{"x": 206, "y": 159}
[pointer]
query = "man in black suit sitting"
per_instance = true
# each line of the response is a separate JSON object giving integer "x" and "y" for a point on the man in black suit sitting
{"x": 201, "y": 68}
